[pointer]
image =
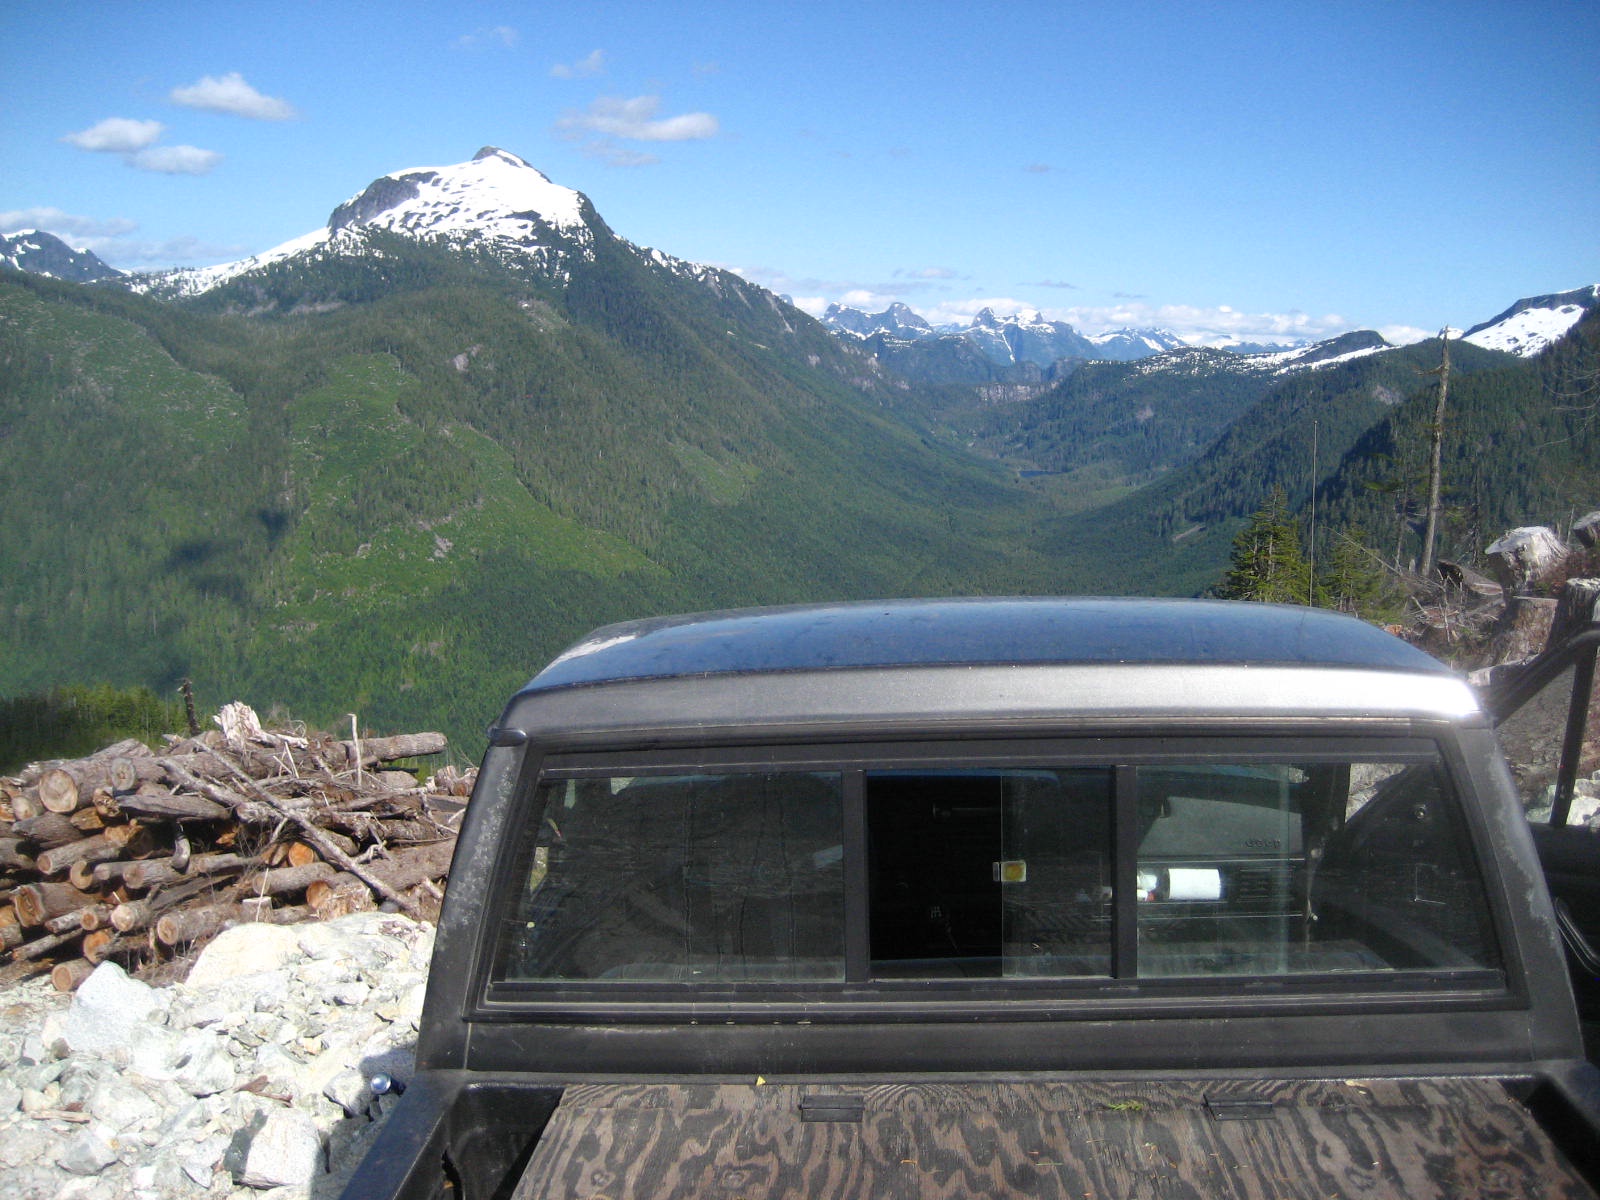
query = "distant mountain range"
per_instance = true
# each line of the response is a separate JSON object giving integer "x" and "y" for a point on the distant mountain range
{"x": 1029, "y": 348}
{"x": 1020, "y": 347}
{"x": 397, "y": 463}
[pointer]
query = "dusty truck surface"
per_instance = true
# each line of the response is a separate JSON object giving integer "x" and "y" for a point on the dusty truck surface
{"x": 1057, "y": 898}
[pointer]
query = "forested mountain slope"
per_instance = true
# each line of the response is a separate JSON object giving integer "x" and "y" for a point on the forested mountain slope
{"x": 1521, "y": 446}
{"x": 1170, "y": 536}
{"x": 407, "y": 496}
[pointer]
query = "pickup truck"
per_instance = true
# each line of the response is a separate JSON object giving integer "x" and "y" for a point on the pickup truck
{"x": 1032, "y": 897}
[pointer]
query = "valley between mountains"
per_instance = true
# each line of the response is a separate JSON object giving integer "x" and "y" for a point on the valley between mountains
{"x": 394, "y": 466}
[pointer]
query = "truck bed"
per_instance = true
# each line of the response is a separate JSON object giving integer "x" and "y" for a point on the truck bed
{"x": 1272, "y": 1139}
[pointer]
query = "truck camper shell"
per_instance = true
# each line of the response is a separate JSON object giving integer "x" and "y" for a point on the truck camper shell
{"x": 995, "y": 883}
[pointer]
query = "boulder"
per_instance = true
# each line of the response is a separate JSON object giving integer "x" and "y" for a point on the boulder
{"x": 248, "y": 949}
{"x": 282, "y": 1149}
{"x": 107, "y": 1010}
{"x": 86, "y": 1153}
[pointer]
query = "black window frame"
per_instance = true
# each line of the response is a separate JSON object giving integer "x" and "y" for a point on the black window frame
{"x": 862, "y": 998}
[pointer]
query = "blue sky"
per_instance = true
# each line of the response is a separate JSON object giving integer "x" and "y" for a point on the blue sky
{"x": 1270, "y": 170}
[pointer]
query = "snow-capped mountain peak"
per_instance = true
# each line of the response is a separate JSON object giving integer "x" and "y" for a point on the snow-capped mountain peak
{"x": 1531, "y": 324}
{"x": 898, "y": 320}
{"x": 1123, "y": 344}
{"x": 496, "y": 194}
{"x": 494, "y": 200}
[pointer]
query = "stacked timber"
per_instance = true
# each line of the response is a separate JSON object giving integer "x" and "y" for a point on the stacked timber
{"x": 140, "y": 855}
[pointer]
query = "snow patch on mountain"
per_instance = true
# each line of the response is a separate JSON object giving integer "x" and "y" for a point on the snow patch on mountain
{"x": 496, "y": 195}
{"x": 1205, "y": 360}
{"x": 1125, "y": 344}
{"x": 1531, "y": 324}
{"x": 1345, "y": 348}
{"x": 496, "y": 200}
{"x": 898, "y": 320}
{"x": 41, "y": 253}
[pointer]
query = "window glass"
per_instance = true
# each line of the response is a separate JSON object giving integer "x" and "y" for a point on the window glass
{"x": 1530, "y": 739}
{"x": 991, "y": 872}
{"x": 1321, "y": 867}
{"x": 1273, "y": 869}
{"x": 682, "y": 878}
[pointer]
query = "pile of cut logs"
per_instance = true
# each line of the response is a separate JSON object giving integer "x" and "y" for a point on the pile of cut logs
{"x": 141, "y": 856}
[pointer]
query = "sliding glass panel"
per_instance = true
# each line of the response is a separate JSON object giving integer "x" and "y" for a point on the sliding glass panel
{"x": 1276, "y": 868}
{"x": 705, "y": 878}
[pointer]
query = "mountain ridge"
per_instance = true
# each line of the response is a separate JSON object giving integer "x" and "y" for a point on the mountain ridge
{"x": 39, "y": 253}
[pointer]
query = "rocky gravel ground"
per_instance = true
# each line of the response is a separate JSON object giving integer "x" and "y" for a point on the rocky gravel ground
{"x": 249, "y": 1079}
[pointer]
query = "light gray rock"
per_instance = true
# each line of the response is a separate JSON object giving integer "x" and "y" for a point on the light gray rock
{"x": 152, "y": 1099}
{"x": 121, "y": 1104}
{"x": 284, "y": 1150}
{"x": 250, "y": 949}
{"x": 80, "y": 1079}
{"x": 86, "y": 1153}
{"x": 46, "y": 1073}
{"x": 203, "y": 1066}
{"x": 201, "y": 1163}
{"x": 107, "y": 1010}
{"x": 29, "y": 1143}
{"x": 34, "y": 1050}
{"x": 352, "y": 994}
{"x": 39, "y": 1183}
{"x": 155, "y": 1054}
{"x": 350, "y": 1090}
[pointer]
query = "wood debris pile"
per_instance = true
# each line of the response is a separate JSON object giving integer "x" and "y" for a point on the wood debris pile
{"x": 139, "y": 856}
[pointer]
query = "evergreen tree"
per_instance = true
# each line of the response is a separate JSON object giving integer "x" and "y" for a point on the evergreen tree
{"x": 1266, "y": 561}
{"x": 1353, "y": 581}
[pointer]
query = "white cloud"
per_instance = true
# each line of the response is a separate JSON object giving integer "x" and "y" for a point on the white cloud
{"x": 608, "y": 151}
{"x": 592, "y": 64}
{"x": 867, "y": 299}
{"x": 961, "y": 312}
{"x": 813, "y": 295}
{"x": 231, "y": 94}
{"x": 66, "y": 226}
{"x": 1404, "y": 335}
{"x": 495, "y": 35}
{"x": 635, "y": 119}
{"x": 116, "y": 135}
{"x": 182, "y": 251}
{"x": 110, "y": 239}
{"x": 1198, "y": 325}
{"x": 135, "y": 142}
{"x": 175, "y": 160}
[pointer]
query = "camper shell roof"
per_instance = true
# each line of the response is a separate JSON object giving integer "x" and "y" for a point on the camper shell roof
{"x": 980, "y": 663}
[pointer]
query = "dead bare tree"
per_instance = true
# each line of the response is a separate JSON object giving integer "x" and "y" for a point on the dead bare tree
{"x": 1436, "y": 455}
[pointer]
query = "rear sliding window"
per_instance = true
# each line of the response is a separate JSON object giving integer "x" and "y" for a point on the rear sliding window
{"x": 1320, "y": 865}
